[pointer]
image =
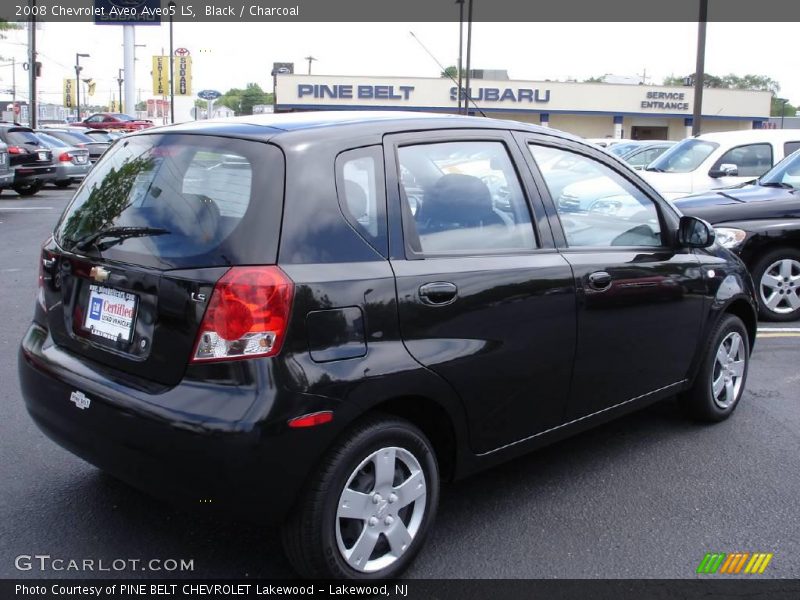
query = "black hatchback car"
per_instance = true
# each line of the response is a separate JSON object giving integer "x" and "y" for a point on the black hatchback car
{"x": 30, "y": 159}
{"x": 256, "y": 312}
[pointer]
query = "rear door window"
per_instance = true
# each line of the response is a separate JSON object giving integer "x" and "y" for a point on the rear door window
{"x": 465, "y": 198}
{"x": 790, "y": 147}
{"x": 179, "y": 201}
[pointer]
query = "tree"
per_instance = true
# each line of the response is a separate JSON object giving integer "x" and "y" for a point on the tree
{"x": 241, "y": 101}
{"x": 451, "y": 71}
{"x": 777, "y": 108}
{"x": 141, "y": 106}
{"x": 745, "y": 82}
{"x": 6, "y": 26}
{"x": 595, "y": 79}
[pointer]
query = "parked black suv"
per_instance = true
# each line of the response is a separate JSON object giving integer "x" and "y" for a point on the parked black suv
{"x": 760, "y": 221}
{"x": 256, "y": 311}
{"x": 30, "y": 159}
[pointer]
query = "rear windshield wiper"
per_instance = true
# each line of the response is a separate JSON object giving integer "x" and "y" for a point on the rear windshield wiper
{"x": 656, "y": 169}
{"x": 118, "y": 234}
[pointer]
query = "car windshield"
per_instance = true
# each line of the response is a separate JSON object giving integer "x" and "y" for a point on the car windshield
{"x": 683, "y": 157}
{"x": 620, "y": 149}
{"x": 52, "y": 142}
{"x": 785, "y": 173}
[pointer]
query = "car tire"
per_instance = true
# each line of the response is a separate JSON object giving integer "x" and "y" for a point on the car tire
{"x": 28, "y": 189}
{"x": 63, "y": 183}
{"x": 720, "y": 383}
{"x": 777, "y": 279}
{"x": 321, "y": 543}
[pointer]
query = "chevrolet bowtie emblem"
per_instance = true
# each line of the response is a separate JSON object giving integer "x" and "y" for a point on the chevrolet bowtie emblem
{"x": 99, "y": 274}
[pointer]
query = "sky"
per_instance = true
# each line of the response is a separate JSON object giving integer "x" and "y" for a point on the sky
{"x": 229, "y": 55}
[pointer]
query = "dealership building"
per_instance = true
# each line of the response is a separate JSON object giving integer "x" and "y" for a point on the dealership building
{"x": 592, "y": 110}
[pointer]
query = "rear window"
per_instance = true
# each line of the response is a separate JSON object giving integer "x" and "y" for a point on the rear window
{"x": 173, "y": 201}
{"x": 51, "y": 141}
{"x": 73, "y": 137}
{"x": 20, "y": 137}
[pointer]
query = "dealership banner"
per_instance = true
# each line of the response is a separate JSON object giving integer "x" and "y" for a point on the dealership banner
{"x": 160, "y": 75}
{"x": 182, "y": 73}
{"x": 69, "y": 93}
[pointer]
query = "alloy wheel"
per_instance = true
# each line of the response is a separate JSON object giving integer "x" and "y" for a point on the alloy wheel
{"x": 381, "y": 509}
{"x": 780, "y": 286}
{"x": 728, "y": 373}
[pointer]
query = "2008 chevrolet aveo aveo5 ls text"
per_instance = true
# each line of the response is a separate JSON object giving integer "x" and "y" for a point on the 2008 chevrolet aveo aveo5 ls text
{"x": 322, "y": 316}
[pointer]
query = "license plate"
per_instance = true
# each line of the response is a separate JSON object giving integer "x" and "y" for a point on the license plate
{"x": 110, "y": 313}
{"x": 42, "y": 155}
{"x": 81, "y": 160}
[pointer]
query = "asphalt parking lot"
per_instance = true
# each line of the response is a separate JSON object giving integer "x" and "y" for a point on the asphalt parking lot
{"x": 644, "y": 497}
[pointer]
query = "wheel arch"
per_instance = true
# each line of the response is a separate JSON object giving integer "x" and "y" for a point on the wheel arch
{"x": 434, "y": 420}
{"x": 743, "y": 309}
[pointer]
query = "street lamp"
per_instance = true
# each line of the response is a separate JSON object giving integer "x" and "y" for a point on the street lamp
{"x": 120, "y": 80}
{"x": 310, "y": 59}
{"x": 78, "y": 69}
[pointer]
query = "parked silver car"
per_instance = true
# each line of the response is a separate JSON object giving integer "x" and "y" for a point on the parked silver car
{"x": 72, "y": 163}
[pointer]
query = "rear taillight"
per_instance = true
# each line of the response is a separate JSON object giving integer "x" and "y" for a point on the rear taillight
{"x": 65, "y": 157}
{"x": 17, "y": 150}
{"x": 46, "y": 262}
{"x": 247, "y": 315}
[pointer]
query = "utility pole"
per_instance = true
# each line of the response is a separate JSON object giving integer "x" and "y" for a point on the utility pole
{"x": 460, "y": 48}
{"x": 310, "y": 59}
{"x": 171, "y": 5}
{"x": 14, "y": 84}
{"x": 469, "y": 55}
{"x": 699, "y": 72}
{"x": 32, "y": 109}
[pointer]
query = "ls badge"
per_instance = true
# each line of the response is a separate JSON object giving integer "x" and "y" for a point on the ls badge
{"x": 80, "y": 400}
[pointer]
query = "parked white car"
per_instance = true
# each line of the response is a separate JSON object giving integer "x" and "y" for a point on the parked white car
{"x": 719, "y": 160}
{"x": 607, "y": 142}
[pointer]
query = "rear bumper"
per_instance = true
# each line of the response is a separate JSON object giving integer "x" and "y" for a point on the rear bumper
{"x": 6, "y": 179}
{"x": 30, "y": 174}
{"x": 72, "y": 171}
{"x": 197, "y": 453}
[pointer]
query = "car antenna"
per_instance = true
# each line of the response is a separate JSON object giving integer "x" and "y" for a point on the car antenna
{"x": 460, "y": 89}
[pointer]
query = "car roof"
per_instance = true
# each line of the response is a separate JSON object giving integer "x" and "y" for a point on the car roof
{"x": 276, "y": 123}
{"x": 750, "y": 135}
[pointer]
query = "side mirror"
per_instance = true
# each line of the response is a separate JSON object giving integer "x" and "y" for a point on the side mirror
{"x": 725, "y": 170}
{"x": 695, "y": 233}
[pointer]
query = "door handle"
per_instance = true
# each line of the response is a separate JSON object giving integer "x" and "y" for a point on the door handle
{"x": 438, "y": 293}
{"x": 599, "y": 281}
